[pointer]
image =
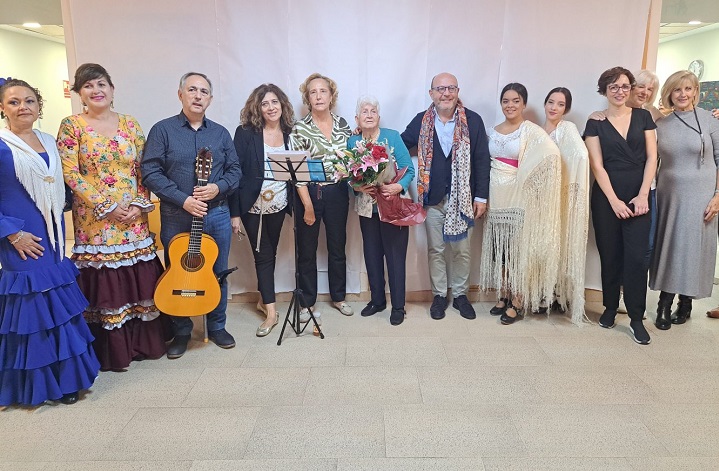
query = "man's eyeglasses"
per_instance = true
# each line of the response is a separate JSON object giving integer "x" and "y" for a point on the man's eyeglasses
{"x": 615, "y": 88}
{"x": 441, "y": 89}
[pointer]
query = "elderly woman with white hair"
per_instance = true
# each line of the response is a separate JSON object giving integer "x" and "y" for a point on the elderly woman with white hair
{"x": 382, "y": 240}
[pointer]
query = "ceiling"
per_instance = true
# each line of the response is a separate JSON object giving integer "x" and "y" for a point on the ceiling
{"x": 675, "y": 17}
{"x": 667, "y": 30}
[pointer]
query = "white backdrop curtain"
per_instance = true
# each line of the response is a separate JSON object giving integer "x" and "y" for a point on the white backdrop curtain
{"x": 388, "y": 48}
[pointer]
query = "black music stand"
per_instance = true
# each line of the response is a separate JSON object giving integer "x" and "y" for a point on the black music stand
{"x": 294, "y": 167}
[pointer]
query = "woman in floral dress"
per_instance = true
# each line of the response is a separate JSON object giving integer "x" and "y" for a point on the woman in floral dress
{"x": 114, "y": 250}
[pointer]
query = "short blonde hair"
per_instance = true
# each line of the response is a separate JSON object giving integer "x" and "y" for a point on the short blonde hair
{"x": 675, "y": 81}
{"x": 306, "y": 93}
{"x": 647, "y": 77}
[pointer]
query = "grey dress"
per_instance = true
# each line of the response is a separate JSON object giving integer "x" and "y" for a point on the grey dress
{"x": 685, "y": 248}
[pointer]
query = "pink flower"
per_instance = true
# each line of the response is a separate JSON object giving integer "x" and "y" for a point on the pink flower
{"x": 109, "y": 180}
{"x": 97, "y": 240}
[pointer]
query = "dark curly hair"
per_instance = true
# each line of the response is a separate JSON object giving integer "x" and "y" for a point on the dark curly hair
{"x": 610, "y": 76}
{"x": 251, "y": 114}
{"x": 87, "y": 72}
{"x": 21, "y": 83}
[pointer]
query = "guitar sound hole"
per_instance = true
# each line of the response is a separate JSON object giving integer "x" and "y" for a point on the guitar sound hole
{"x": 192, "y": 262}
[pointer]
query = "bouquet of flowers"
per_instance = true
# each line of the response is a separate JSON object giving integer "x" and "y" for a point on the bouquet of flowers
{"x": 367, "y": 164}
{"x": 372, "y": 164}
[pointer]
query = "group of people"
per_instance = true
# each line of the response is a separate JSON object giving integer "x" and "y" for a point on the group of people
{"x": 63, "y": 319}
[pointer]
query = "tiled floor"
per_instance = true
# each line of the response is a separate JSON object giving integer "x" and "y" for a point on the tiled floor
{"x": 427, "y": 395}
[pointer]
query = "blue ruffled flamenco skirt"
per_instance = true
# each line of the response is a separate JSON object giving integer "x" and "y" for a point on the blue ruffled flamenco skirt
{"x": 45, "y": 345}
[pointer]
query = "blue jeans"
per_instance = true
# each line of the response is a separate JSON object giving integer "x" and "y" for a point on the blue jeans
{"x": 216, "y": 224}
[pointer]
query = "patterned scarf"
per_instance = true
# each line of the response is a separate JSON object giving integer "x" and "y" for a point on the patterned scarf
{"x": 460, "y": 216}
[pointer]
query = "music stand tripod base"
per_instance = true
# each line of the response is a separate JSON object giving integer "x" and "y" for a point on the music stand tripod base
{"x": 298, "y": 327}
{"x": 294, "y": 167}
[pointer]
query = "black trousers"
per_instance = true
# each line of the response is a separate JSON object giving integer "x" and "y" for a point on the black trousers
{"x": 266, "y": 257}
{"x": 622, "y": 245}
{"x": 331, "y": 203}
{"x": 381, "y": 241}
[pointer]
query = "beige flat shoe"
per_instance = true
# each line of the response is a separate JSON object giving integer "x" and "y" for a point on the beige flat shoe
{"x": 343, "y": 307}
{"x": 264, "y": 331}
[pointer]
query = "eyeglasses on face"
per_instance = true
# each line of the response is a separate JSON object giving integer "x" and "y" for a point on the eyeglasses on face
{"x": 441, "y": 89}
{"x": 615, "y": 88}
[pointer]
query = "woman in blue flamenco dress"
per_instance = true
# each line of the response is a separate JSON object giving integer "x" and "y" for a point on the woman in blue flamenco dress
{"x": 45, "y": 345}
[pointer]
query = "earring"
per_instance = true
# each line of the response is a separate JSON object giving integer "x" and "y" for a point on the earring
{"x": 112, "y": 105}
{"x": 84, "y": 108}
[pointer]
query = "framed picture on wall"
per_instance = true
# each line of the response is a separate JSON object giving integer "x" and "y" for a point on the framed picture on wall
{"x": 709, "y": 95}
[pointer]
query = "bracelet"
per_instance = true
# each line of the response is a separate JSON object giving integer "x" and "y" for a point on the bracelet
{"x": 19, "y": 236}
{"x": 716, "y": 192}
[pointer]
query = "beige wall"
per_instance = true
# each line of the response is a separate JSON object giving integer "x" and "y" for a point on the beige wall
{"x": 43, "y": 64}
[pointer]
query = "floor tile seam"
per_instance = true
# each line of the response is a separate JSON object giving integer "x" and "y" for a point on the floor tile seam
{"x": 121, "y": 431}
{"x": 197, "y": 381}
{"x": 252, "y": 430}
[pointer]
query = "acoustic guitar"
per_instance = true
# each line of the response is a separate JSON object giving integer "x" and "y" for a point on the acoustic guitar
{"x": 189, "y": 287}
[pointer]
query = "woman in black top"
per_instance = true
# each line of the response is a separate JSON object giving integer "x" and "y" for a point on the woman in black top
{"x": 623, "y": 157}
{"x": 266, "y": 123}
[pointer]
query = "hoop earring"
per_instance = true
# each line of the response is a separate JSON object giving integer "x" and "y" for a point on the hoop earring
{"x": 112, "y": 105}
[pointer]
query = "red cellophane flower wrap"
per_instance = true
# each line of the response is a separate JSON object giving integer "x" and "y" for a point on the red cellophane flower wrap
{"x": 397, "y": 210}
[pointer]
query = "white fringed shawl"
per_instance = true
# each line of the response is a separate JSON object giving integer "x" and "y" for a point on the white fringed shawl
{"x": 575, "y": 219}
{"x": 44, "y": 184}
{"x": 520, "y": 250}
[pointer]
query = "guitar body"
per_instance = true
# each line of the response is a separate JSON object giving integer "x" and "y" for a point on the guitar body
{"x": 189, "y": 287}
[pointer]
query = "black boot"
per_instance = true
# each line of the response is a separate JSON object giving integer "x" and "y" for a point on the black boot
{"x": 664, "y": 311}
{"x": 684, "y": 310}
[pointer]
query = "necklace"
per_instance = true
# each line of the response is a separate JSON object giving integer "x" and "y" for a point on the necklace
{"x": 371, "y": 138}
{"x": 698, "y": 131}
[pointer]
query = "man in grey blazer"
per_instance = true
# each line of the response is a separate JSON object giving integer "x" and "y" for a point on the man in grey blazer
{"x": 168, "y": 170}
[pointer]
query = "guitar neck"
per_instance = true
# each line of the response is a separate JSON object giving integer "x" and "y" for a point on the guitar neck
{"x": 195, "y": 245}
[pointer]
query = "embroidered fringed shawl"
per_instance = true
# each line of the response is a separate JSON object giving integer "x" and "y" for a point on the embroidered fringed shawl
{"x": 522, "y": 226}
{"x": 44, "y": 184}
{"x": 575, "y": 219}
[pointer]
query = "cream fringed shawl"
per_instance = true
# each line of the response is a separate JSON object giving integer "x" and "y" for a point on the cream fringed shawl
{"x": 44, "y": 184}
{"x": 523, "y": 223}
{"x": 575, "y": 219}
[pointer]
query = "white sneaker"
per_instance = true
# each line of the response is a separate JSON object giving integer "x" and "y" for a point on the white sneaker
{"x": 343, "y": 307}
{"x": 305, "y": 316}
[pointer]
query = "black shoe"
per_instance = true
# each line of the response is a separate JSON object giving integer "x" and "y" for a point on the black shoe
{"x": 396, "y": 317}
{"x": 372, "y": 309}
{"x": 664, "y": 311}
{"x": 641, "y": 336}
{"x": 607, "y": 318}
{"x": 439, "y": 305}
{"x": 462, "y": 304}
{"x": 498, "y": 311}
{"x": 507, "y": 320}
{"x": 70, "y": 398}
{"x": 684, "y": 310}
{"x": 178, "y": 347}
{"x": 222, "y": 338}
